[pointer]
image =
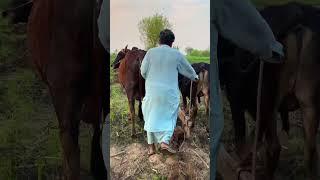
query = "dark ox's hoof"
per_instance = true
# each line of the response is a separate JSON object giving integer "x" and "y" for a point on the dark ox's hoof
{"x": 134, "y": 136}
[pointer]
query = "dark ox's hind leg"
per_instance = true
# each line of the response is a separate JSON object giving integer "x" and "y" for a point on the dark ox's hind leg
{"x": 239, "y": 124}
{"x": 132, "y": 116}
{"x": 98, "y": 168}
{"x": 284, "y": 114}
{"x": 268, "y": 126}
{"x": 68, "y": 105}
{"x": 194, "y": 103}
{"x": 140, "y": 114}
{"x": 273, "y": 145}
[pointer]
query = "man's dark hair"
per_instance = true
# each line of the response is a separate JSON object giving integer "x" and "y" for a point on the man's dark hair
{"x": 166, "y": 37}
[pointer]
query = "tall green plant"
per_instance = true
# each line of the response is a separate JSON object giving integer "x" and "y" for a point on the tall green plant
{"x": 150, "y": 28}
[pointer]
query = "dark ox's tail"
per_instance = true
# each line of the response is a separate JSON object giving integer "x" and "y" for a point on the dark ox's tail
{"x": 98, "y": 168}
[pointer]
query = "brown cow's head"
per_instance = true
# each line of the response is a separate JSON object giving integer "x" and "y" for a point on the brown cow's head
{"x": 119, "y": 57}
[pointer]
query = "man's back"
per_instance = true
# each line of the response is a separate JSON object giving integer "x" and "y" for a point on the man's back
{"x": 163, "y": 67}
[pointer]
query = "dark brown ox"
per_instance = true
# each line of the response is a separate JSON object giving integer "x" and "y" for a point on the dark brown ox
{"x": 199, "y": 89}
{"x": 65, "y": 49}
{"x": 131, "y": 80}
{"x": 286, "y": 87}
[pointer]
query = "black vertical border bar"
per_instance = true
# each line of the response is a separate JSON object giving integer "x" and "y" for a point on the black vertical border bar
{"x": 212, "y": 175}
{"x": 215, "y": 93}
{"x": 106, "y": 124}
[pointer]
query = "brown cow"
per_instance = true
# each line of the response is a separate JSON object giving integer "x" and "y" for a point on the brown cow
{"x": 70, "y": 59}
{"x": 131, "y": 80}
{"x": 299, "y": 85}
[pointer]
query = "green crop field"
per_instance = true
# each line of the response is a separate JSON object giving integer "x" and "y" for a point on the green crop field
{"x": 196, "y": 59}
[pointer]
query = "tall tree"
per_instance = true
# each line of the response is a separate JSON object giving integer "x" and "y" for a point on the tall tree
{"x": 150, "y": 28}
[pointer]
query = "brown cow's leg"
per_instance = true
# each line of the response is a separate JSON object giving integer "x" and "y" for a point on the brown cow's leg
{"x": 132, "y": 116}
{"x": 71, "y": 154}
{"x": 311, "y": 123}
{"x": 309, "y": 103}
{"x": 68, "y": 108}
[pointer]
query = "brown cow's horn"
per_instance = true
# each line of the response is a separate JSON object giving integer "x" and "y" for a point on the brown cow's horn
{"x": 126, "y": 47}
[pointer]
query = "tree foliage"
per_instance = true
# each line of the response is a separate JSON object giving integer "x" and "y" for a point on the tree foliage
{"x": 150, "y": 28}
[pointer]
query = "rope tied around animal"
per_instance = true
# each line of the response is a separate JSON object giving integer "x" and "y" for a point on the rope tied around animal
{"x": 17, "y": 7}
{"x": 190, "y": 106}
{"x": 186, "y": 119}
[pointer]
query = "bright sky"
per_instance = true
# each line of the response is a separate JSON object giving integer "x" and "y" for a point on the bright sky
{"x": 190, "y": 20}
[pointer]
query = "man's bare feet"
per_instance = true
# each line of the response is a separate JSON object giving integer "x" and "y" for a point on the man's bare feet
{"x": 152, "y": 149}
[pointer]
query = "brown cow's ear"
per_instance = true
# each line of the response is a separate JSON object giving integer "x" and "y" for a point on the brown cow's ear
{"x": 126, "y": 47}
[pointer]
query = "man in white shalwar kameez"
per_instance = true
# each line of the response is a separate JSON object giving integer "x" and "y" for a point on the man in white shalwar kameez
{"x": 160, "y": 68}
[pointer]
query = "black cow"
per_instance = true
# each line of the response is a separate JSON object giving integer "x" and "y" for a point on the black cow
{"x": 120, "y": 56}
{"x": 198, "y": 89}
{"x": 297, "y": 27}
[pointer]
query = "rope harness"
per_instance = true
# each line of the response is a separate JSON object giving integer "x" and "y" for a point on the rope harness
{"x": 190, "y": 106}
{"x": 187, "y": 118}
{"x": 19, "y": 6}
{"x": 257, "y": 129}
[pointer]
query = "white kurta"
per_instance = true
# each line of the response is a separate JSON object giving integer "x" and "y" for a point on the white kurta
{"x": 160, "y": 68}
